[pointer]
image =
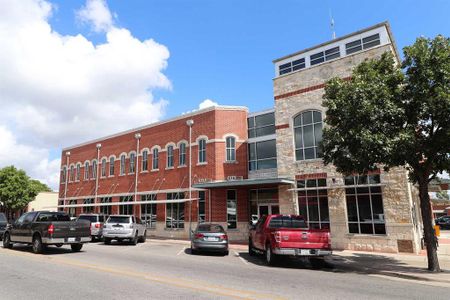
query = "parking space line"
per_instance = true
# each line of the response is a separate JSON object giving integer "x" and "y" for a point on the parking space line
{"x": 243, "y": 260}
{"x": 181, "y": 251}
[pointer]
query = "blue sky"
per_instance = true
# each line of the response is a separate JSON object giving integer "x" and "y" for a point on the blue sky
{"x": 77, "y": 70}
{"x": 223, "y": 50}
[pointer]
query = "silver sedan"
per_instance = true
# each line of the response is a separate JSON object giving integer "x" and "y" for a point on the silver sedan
{"x": 209, "y": 237}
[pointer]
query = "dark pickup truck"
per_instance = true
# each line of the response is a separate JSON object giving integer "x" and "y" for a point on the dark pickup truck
{"x": 3, "y": 223}
{"x": 43, "y": 228}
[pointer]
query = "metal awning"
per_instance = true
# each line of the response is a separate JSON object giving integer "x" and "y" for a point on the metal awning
{"x": 162, "y": 201}
{"x": 244, "y": 182}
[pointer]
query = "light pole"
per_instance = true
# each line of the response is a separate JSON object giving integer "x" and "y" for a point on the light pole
{"x": 137, "y": 136}
{"x": 190, "y": 123}
{"x": 96, "y": 174}
{"x": 67, "y": 176}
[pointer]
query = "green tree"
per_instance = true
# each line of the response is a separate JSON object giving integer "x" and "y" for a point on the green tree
{"x": 389, "y": 116}
{"x": 17, "y": 189}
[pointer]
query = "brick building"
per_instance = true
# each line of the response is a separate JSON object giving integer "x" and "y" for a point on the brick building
{"x": 246, "y": 165}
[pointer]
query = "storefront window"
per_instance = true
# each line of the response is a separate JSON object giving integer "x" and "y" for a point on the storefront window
{"x": 175, "y": 211}
{"x": 88, "y": 209}
{"x": 313, "y": 202}
{"x": 148, "y": 211}
{"x": 126, "y": 209}
{"x": 365, "y": 204}
{"x": 106, "y": 209}
{"x": 231, "y": 209}
{"x": 201, "y": 207}
{"x": 308, "y": 135}
{"x": 262, "y": 155}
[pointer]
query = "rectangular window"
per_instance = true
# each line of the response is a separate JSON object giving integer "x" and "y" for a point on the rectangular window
{"x": 126, "y": 209}
{"x": 145, "y": 161}
{"x": 182, "y": 158}
{"x": 106, "y": 209}
{"x": 148, "y": 211}
{"x": 88, "y": 209}
{"x": 86, "y": 171}
{"x": 122, "y": 165}
{"x": 353, "y": 47}
{"x": 231, "y": 209}
{"x": 77, "y": 178}
{"x": 313, "y": 202}
{"x": 326, "y": 55}
{"x": 175, "y": 211}
{"x": 170, "y": 157}
{"x": 201, "y": 206}
{"x": 262, "y": 155}
{"x": 317, "y": 58}
{"x": 94, "y": 169}
{"x": 261, "y": 125}
{"x": 364, "y": 204}
{"x": 132, "y": 163}
{"x": 332, "y": 53}
{"x": 72, "y": 173}
{"x": 365, "y": 43}
{"x": 111, "y": 166}
{"x": 230, "y": 148}
{"x": 72, "y": 210}
{"x": 291, "y": 66}
{"x": 155, "y": 161}
{"x": 103, "y": 168}
{"x": 202, "y": 151}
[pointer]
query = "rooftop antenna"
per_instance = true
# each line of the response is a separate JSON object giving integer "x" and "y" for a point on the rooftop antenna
{"x": 333, "y": 33}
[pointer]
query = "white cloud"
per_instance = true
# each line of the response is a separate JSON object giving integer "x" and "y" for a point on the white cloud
{"x": 96, "y": 13}
{"x": 57, "y": 90}
{"x": 207, "y": 103}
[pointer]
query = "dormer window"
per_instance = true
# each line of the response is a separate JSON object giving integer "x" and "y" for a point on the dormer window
{"x": 325, "y": 56}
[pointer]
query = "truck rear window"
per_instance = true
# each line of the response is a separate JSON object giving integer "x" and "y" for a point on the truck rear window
{"x": 118, "y": 219}
{"x": 93, "y": 219}
{"x": 2, "y": 218}
{"x": 287, "y": 222}
{"x": 53, "y": 217}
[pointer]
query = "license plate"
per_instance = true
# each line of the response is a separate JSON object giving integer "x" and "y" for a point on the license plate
{"x": 212, "y": 239}
{"x": 71, "y": 239}
{"x": 303, "y": 252}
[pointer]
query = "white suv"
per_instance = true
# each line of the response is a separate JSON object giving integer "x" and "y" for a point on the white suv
{"x": 123, "y": 227}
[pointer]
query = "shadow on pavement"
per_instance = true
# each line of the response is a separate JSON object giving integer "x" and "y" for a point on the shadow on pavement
{"x": 49, "y": 250}
{"x": 204, "y": 253}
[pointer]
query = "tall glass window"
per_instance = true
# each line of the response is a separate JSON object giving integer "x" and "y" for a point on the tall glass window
{"x": 94, "y": 169}
{"x": 132, "y": 162}
{"x": 122, "y": 164}
{"x": 145, "y": 160}
{"x": 364, "y": 204}
{"x": 175, "y": 211}
{"x": 170, "y": 157}
{"x": 63, "y": 175}
{"x": 72, "y": 173}
{"x": 148, "y": 211}
{"x": 78, "y": 173}
{"x": 155, "y": 161}
{"x": 262, "y": 155}
{"x": 103, "y": 173}
{"x": 106, "y": 209}
{"x": 86, "y": 170}
{"x": 313, "y": 202}
{"x": 231, "y": 209}
{"x": 88, "y": 209}
{"x": 308, "y": 135}
{"x": 201, "y": 207}
{"x": 111, "y": 166}
{"x": 202, "y": 151}
{"x": 72, "y": 210}
{"x": 231, "y": 148}
{"x": 261, "y": 125}
{"x": 126, "y": 209}
{"x": 182, "y": 155}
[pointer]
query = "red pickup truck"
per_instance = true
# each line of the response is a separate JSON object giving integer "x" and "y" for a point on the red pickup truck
{"x": 288, "y": 235}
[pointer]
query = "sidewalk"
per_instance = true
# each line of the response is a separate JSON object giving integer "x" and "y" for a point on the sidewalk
{"x": 398, "y": 265}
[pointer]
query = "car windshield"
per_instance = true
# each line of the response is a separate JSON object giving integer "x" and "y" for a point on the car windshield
{"x": 89, "y": 218}
{"x": 213, "y": 228}
{"x": 118, "y": 219}
{"x": 48, "y": 216}
{"x": 287, "y": 222}
{"x": 2, "y": 218}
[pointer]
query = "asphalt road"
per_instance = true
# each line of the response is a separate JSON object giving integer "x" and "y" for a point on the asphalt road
{"x": 164, "y": 270}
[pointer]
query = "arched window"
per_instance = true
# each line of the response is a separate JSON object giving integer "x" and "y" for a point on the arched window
{"x": 145, "y": 160}
{"x": 182, "y": 154}
{"x": 94, "y": 169}
{"x": 308, "y": 135}
{"x": 104, "y": 167}
{"x": 71, "y": 173}
{"x": 132, "y": 162}
{"x": 155, "y": 163}
{"x": 86, "y": 170}
{"x": 63, "y": 175}
{"x": 122, "y": 164}
{"x": 231, "y": 148}
{"x": 202, "y": 151}
{"x": 77, "y": 176}
{"x": 170, "y": 156}
{"x": 111, "y": 166}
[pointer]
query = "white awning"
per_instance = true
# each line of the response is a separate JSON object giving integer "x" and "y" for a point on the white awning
{"x": 162, "y": 201}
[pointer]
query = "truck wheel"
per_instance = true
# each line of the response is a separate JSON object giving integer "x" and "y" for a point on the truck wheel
{"x": 270, "y": 257}
{"x": 134, "y": 241}
{"x": 144, "y": 237}
{"x": 251, "y": 252}
{"x": 107, "y": 241}
{"x": 38, "y": 247}
{"x": 76, "y": 247}
{"x": 7, "y": 241}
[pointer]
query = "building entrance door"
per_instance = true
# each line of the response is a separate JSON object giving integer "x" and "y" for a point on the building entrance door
{"x": 268, "y": 209}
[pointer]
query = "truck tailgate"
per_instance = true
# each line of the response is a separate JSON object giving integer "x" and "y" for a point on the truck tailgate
{"x": 303, "y": 238}
{"x": 76, "y": 229}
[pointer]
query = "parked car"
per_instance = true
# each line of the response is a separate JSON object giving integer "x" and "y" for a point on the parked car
{"x": 97, "y": 223}
{"x": 123, "y": 227}
{"x": 43, "y": 228}
{"x": 288, "y": 235}
{"x": 443, "y": 222}
{"x": 3, "y": 223}
{"x": 209, "y": 237}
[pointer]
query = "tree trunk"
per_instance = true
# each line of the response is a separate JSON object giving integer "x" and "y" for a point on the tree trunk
{"x": 429, "y": 234}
